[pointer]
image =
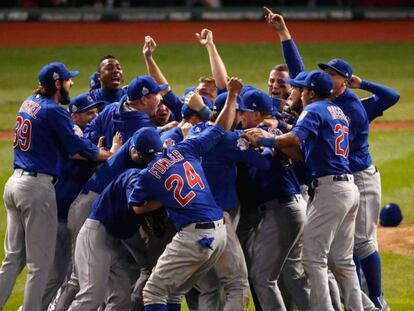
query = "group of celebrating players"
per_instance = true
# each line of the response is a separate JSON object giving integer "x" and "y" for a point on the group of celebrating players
{"x": 134, "y": 197}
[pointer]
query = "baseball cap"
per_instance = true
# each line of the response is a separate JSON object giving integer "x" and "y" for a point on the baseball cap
{"x": 143, "y": 85}
{"x": 83, "y": 102}
{"x": 187, "y": 111}
{"x": 319, "y": 82}
{"x": 221, "y": 100}
{"x": 340, "y": 66}
{"x": 55, "y": 71}
{"x": 256, "y": 100}
{"x": 147, "y": 140}
{"x": 301, "y": 76}
{"x": 94, "y": 82}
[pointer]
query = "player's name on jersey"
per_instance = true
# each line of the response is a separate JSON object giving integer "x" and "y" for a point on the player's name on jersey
{"x": 31, "y": 108}
{"x": 337, "y": 113}
{"x": 163, "y": 164}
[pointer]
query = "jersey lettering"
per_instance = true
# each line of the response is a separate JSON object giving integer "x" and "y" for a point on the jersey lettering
{"x": 22, "y": 134}
{"x": 192, "y": 179}
{"x": 342, "y": 130}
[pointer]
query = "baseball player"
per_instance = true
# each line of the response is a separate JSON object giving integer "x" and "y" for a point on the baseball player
{"x": 111, "y": 219}
{"x": 366, "y": 175}
{"x": 219, "y": 166}
{"x": 44, "y": 133}
{"x": 74, "y": 174}
{"x": 133, "y": 111}
{"x": 328, "y": 232}
{"x": 110, "y": 77}
{"x": 177, "y": 180}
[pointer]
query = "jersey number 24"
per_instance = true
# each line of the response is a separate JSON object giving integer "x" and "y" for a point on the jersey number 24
{"x": 191, "y": 180}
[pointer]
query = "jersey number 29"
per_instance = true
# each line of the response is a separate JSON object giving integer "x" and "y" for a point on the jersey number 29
{"x": 192, "y": 179}
{"x": 23, "y": 133}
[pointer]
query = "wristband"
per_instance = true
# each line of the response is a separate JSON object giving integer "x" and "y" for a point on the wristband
{"x": 204, "y": 113}
{"x": 267, "y": 142}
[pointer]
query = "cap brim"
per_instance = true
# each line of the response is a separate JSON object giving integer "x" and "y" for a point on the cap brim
{"x": 161, "y": 87}
{"x": 326, "y": 66}
{"x": 93, "y": 105}
{"x": 292, "y": 82}
{"x": 73, "y": 73}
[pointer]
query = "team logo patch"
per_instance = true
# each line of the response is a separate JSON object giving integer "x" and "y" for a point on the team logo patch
{"x": 56, "y": 76}
{"x": 242, "y": 144}
{"x": 275, "y": 131}
{"x": 168, "y": 143}
{"x": 74, "y": 108}
{"x": 302, "y": 115}
{"x": 145, "y": 91}
{"x": 89, "y": 98}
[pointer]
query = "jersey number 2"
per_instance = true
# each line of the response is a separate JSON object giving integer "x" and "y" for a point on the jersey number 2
{"x": 343, "y": 135}
{"x": 192, "y": 179}
{"x": 22, "y": 134}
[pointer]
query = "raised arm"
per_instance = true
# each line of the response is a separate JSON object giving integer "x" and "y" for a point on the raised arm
{"x": 290, "y": 51}
{"x": 228, "y": 113}
{"x": 218, "y": 69}
{"x": 152, "y": 67}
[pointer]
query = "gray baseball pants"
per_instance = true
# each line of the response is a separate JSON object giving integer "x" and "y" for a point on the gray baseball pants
{"x": 329, "y": 237}
{"x": 97, "y": 264}
{"x": 368, "y": 182}
{"x": 30, "y": 237}
{"x": 230, "y": 272}
{"x": 280, "y": 227}
{"x": 183, "y": 262}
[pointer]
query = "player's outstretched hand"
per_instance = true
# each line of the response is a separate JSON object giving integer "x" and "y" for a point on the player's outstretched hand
{"x": 194, "y": 101}
{"x": 149, "y": 46}
{"x": 185, "y": 127}
{"x": 168, "y": 126}
{"x": 354, "y": 82}
{"x": 205, "y": 37}
{"x": 271, "y": 123}
{"x": 116, "y": 142}
{"x": 275, "y": 20}
{"x": 234, "y": 85}
{"x": 101, "y": 142}
{"x": 254, "y": 134}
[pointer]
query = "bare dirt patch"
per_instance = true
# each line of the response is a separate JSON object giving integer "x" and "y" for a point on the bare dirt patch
{"x": 398, "y": 240}
{"x": 393, "y": 125}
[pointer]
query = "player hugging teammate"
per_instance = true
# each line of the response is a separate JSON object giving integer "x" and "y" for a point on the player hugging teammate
{"x": 144, "y": 197}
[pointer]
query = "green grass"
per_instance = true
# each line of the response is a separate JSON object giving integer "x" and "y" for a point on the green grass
{"x": 388, "y": 63}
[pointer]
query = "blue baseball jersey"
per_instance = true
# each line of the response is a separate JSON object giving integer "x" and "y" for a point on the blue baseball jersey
{"x": 115, "y": 118}
{"x": 45, "y": 132}
{"x": 292, "y": 58}
{"x": 220, "y": 164}
{"x": 359, "y": 157}
{"x": 383, "y": 98}
{"x": 112, "y": 207}
{"x": 107, "y": 171}
{"x": 75, "y": 173}
{"x": 107, "y": 96}
{"x": 171, "y": 137}
{"x": 324, "y": 128}
{"x": 176, "y": 179}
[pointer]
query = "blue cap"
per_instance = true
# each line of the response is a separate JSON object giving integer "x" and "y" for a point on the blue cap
{"x": 256, "y": 100}
{"x": 319, "y": 82}
{"x": 390, "y": 215}
{"x": 55, "y": 71}
{"x": 301, "y": 76}
{"x": 340, "y": 66}
{"x": 247, "y": 88}
{"x": 187, "y": 111}
{"x": 83, "y": 102}
{"x": 143, "y": 85}
{"x": 94, "y": 82}
{"x": 221, "y": 100}
{"x": 147, "y": 140}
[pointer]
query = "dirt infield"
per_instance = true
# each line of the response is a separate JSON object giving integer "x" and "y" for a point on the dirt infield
{"x": 399, "y": 240}
{"x": 89, "y": 34}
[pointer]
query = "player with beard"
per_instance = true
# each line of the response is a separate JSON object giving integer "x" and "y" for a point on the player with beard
{"x": 44, "y": 134}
